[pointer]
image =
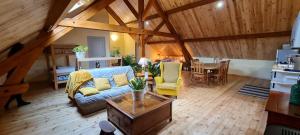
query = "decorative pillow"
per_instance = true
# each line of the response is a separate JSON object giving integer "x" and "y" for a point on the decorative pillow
{"x": 120, "y": 79}
{"x": 171, "y": 71}
{"x": 87, "y": 91}
{"x": 102, "y": 83}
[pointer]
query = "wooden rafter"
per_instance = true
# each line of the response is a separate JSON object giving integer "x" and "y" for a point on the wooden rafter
{"x": 131, "y": 8}
{"x": 165, "y": 18}
{"x": 158, "y": 27}
{"x": 179, "y": 9}
{"x": 233, "y": 37}
{"x": 147, "y": 9}
{"x": 115, "y": 16}
{"x": 58, "y": 12}
{"x": 118, "y": 19}
{"x": 110, "y": 27}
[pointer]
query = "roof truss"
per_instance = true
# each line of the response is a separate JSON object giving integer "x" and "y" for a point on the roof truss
{"x": 178, "y": 9}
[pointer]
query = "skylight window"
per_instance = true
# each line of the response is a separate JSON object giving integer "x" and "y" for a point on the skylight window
{"x": 79, "y": 4}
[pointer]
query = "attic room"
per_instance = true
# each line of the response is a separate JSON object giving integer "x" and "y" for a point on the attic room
{"x": 133, "y": 67}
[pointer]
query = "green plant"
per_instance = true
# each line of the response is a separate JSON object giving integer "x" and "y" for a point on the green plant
{"x": 137, "y": 84}
{"x": 115, "y": 52}
{"x": 154, "y": 69}
{"x": 80, "y": 48}
{"x": 130, "y": 60}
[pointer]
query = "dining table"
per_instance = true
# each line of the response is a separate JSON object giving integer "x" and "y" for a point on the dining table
{"x": 210, "y": 68}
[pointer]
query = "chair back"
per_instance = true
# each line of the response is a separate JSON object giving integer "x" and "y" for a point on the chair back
{"x": 222, "y": 68}
{"x": 198, "y": 68}
{"x": 163, "y": 69}
{"x": 227, "y": 66}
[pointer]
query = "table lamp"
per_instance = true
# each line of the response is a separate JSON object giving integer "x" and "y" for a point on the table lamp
{"x": 144, "y": 62}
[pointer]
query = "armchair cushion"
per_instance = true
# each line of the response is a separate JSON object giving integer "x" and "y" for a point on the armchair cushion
{"x": 168, "y": 86}
{"x": 170, "y": 73}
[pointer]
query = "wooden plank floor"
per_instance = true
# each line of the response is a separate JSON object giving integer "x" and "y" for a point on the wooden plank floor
{"x": 199, "y": 109}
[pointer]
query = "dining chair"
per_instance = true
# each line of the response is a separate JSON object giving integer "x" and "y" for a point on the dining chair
{"x": 219, "y": 76}
{"x": 197, "y": 72}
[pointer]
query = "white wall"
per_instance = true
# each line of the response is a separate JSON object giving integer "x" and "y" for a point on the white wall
{"x": 252, "y": 68}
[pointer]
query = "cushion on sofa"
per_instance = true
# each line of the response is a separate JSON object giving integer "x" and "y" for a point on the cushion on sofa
{"x": 87, "y": 91}
{"x": 170, "y": 74}
{"x": 102, "y": 84}
{"x": 120, "y": 79}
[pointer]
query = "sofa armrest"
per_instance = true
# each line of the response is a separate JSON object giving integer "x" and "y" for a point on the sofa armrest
{"x": 158, "y": 79}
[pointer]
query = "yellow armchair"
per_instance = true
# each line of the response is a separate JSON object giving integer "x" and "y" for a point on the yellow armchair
{"x": 171, "y": 88}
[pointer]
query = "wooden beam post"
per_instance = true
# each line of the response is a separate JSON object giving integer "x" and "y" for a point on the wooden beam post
{"x": 141, "y": 26}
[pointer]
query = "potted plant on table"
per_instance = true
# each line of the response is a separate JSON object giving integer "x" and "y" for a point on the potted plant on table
{"x": 80, "y": 51}
{"x": 138, "y": 88}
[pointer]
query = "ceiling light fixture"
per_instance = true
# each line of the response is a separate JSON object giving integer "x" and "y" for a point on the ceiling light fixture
{"x": 220, "y": 4}
{"x": 146, "y": 22}
{"x": 114, "y": 37}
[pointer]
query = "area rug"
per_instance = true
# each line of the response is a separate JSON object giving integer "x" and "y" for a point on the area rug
{"x": 256, "y": 91}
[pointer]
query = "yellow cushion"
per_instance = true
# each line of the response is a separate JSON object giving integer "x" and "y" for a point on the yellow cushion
{"x": 87, "y": 91}
{"x": 120, "y": 79}
{"x": 102, "y": 84}
{"x": 168, "y": 86}
{"x": 171, "y": 74}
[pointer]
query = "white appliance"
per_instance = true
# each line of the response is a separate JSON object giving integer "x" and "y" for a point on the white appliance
{"x": 295, "y": 37}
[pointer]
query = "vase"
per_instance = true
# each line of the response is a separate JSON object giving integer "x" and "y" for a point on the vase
{"x": 138, "y": 95}
{"x": 80, "y": 55}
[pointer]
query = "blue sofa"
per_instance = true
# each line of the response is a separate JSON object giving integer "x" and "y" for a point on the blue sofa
{"x": 93, "y": 103}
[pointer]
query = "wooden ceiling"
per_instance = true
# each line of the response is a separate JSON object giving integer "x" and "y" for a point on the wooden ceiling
{"x": 200, "y": 19}
{"x": 20, "y": 19}
{"x": 237, "y": 17}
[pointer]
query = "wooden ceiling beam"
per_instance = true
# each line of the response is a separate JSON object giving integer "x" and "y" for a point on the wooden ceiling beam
{"x": 110, "y": 27}
{"x": 179, "y": 9}
{"x": 158, "y": 27}
{"x": 243, "y": 36}
{"x": 58, "y": 11}
{"x": 131, "y": 8}
{"x": 164, "y": 16}
{"x": 233, "y": 37}
{"x": 118, "y": 19}
{"x": 115, "y": 16}
{"x": 147, "y": 9}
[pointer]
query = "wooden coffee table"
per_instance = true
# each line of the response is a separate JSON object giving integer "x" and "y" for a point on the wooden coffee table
{"x": 139, "y": 117}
